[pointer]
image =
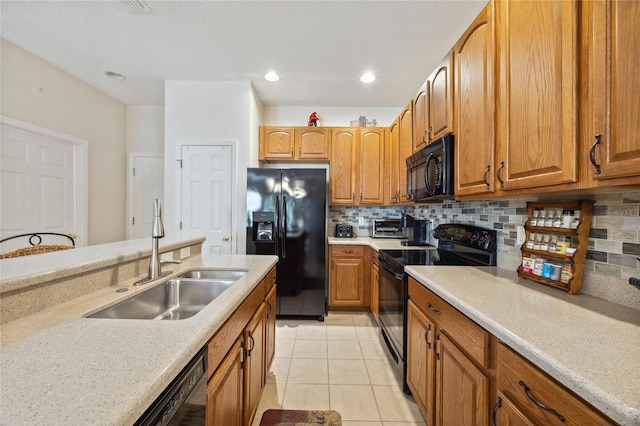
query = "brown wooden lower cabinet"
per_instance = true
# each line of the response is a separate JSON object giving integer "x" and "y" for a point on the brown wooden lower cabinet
{"x": 239, "y": 354}
{"x": 224, "y": 390}
{"x": 347, "y": 278}
{"x": 538, "y": 398}
{"x": 375, "y": 275}
{"x": 448, "y": 386}
{"x": 460, "y": 374}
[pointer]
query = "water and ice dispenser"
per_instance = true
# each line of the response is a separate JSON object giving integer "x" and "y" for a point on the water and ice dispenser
{"x": 264, "y": 226}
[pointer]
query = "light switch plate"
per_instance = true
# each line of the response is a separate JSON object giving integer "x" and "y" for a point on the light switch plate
{"x": 185, "y": 252}
{"x": 521, "y": 235}
{"x": 361, "y": 221}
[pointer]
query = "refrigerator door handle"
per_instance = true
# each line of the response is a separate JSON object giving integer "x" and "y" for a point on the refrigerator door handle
{"x": 284, "y": 227}
{"x": 276, "y": 237}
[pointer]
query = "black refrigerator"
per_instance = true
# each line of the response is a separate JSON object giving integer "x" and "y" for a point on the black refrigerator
{"x": 286, "y": 212}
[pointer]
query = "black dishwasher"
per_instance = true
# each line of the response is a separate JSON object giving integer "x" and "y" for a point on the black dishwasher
{"x": 183, "y": 402}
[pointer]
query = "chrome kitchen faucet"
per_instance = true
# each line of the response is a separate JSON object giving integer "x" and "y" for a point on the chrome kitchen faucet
{"x": 157, "y": 232}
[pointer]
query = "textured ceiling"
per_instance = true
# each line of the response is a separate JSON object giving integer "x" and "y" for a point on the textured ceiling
{"x": 319, "y": 48}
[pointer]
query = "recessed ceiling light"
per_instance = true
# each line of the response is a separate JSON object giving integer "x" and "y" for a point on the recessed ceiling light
{"x": 271, "y": 76}
{"x": 367, "y": 77}
{"x": 115, "y": 75}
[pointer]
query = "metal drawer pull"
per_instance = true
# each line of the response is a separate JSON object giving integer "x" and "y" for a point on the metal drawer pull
{"x": 426, "y": 336}
{"x": 435, "y": 348}
{"x": 533, "y": 399}
{"x": 499, "y": 174}
{"x": 495, "y": 411}
{"x": 484, "y": 177}
{"x": 433, "y": 309}
{"x": 592, "y": 154}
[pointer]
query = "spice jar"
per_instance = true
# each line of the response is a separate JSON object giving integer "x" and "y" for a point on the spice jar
{"x": 530, "y": 242}
{"x": 542, "y": 218}
{"x": 537, "y": 268}
{"x": 552, "y": 244}
{"x": 567, "y": 218}
{"x": 548, "y": 222}
{"x": 576, "y": 219}
{"x": 567, "y": 273}
{"x": 544, "y": 246}
{"x": 534, "y": 219}
{"x": 557, "y": 220}
{"x": 561, "y": 245}
{"x": 537, "y": 242}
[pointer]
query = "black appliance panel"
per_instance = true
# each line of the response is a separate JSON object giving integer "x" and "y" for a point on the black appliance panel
{"x": 430, "y": 171}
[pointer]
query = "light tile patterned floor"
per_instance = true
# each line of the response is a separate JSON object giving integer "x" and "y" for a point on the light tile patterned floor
{"x": 339, "y": 365}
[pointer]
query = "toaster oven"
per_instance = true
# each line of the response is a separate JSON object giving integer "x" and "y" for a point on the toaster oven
{"x": 386, "y": 228}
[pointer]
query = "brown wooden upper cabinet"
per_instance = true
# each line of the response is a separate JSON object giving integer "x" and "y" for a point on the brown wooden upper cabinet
{"x": 421, "y": 127}
{"x": 474, "y": 108}
{"x": 433, "y": 106}
{"x": 404, "y": 150}
{"x": 611, "y": 140}
{"x": 357, "y": 173}
{"x": 440, "y": 107}
{"x": 537, "y": 95}
{"x": 393, "y": 159}
{"x": 294, "y": 143}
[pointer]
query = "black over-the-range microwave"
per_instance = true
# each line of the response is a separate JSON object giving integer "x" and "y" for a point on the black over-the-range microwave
{"x": 430, "y": 171}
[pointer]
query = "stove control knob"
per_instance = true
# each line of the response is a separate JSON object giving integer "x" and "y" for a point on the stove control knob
{"x": 474, "y": 236}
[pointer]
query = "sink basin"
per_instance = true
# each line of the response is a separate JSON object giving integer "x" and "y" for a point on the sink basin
{"x": 175, "y": 299}
{"x": 219, "y": 274}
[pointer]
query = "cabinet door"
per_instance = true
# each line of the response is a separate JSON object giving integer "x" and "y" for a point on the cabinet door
{"x": 312, "y": 143}
{"x": 440, "y": 108}
{"x": 474, "y": 108}
{"x": 254, "y": 374}
{"x": 537, "y": 92}
{"x": 420, "y": 359}
{"x": 270, "y": 332}
{"x": 224, "y": 390}
{"x": 277, "y": 143}
{"x": 505, "y": 413}
{"x": 405, "y": 149}
{"x": 421, "y": 118}
{"x": 371, "y": 165}
{"x": 342, "y": 173}
{"x": 462, "y": 390}
{"x": 346, "y": 282}
{"x": 612, "y": 93}
{"x": 393, "y": 161}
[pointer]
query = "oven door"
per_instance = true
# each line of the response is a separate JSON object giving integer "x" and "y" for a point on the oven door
{"x": 391, "y": 304}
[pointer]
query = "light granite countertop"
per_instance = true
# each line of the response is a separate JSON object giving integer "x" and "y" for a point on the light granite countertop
{"x": 62, "y": 368}
{"x": 590, "y": 345}
{"x": 376, "y": 243}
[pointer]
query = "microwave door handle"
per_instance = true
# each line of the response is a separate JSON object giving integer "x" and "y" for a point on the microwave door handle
{"x": 427, "y": 167}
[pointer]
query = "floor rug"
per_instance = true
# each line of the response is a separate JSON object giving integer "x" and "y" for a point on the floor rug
{"x": 300, "y": 418}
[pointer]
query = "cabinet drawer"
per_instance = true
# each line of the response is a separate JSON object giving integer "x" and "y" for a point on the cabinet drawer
{"x": 527, "y": 386}
{"x": 462, "y": 330}
{"x": 347, "y": 250}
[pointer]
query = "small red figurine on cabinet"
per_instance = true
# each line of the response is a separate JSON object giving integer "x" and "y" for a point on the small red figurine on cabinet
{"x": 313, "y": 119}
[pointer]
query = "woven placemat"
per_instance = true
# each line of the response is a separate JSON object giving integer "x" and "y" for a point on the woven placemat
{"x": 301, "y": 418}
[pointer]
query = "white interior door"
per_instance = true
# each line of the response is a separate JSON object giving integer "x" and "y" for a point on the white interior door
{"x": 43, "y": 177}
{"x": 147, "y": 184}
{"x": 206, "y": 205}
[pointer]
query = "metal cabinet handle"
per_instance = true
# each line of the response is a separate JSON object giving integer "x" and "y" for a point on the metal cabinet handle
{"x": 495, "y": 411}
{"x": 269, "y": 311}
{"x": 434, "y": 309}
{"x": 499, "y": 174}
{"x": 429, "y": 133}
{"x": 533, "y": 399}
{"x": 592, "y": 154}
{"x": 226, "y": 238}
{"x": 486, "y": 172}
{"x": 253, "y": 345}
{"x": 435, "y": 346}
{"x": 361, "y": 197}
{"x": 353, "y": 196}
{"x": 425, "y": 135}
{"x": 426, "y": 336}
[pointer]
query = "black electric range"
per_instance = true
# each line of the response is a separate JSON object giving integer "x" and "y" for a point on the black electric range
{"x": 458, "y": 244}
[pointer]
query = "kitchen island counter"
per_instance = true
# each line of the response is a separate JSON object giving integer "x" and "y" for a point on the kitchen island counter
{"x": 590, "y": 345}
{"x": 59, "y": 367}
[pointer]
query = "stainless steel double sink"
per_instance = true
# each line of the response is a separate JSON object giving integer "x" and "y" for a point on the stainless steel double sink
{"x": 178, "y": 298}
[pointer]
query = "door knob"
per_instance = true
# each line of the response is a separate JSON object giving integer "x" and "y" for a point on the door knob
{"x": 226, "y": 238}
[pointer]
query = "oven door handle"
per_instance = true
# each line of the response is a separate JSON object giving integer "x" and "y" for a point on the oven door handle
{"x": 384, "y": 263}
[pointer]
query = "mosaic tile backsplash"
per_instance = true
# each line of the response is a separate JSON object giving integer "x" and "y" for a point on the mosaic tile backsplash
{"x": 614, "y": 243}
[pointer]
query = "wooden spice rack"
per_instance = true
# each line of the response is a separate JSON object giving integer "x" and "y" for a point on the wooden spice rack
{"x": 580, "y": 235}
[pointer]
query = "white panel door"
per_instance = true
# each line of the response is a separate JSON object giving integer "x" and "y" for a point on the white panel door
{"x": 206, "y": 195}
{"x": 147, "y": 184}
{"x": 38, "y": 183}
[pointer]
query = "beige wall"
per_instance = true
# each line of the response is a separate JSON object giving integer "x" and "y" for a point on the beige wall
{"x": 34, "y": 91}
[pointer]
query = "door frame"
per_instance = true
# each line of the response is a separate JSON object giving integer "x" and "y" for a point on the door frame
{"x": 234, "y": 193}
{"x": 81, "y": 172}
{"x": 130, "y": 183}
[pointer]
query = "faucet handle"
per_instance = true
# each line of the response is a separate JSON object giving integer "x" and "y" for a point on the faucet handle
{"x": 177, "y": 261}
